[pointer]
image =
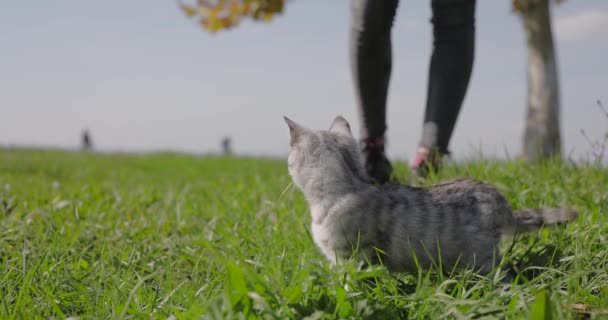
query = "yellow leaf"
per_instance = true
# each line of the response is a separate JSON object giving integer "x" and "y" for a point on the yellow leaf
{"x": 215, "y": 24}
{"x": 209, "y": 25}
{"x": 517, "y": 6}
{"x": 188, "y": 11}
{"x": 212, "y": 15}
{"x": 245, "y": 8}
{"x": 204, "y": 8}
{"x": 267, "y": 16}
{"x": 223, "y": 14}
{"x": 226, "y": 22}
{"x": 221, "y": 5}
{"x": 204, "y": 23}
{"x": 234, "y": 8}
{"x": 234, "y": 20}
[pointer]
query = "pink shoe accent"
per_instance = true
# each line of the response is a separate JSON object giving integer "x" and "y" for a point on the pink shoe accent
{"x": 417, "y": 161}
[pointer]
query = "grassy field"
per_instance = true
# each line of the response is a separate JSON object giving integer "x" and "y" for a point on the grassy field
{"x": 158, "y": 236}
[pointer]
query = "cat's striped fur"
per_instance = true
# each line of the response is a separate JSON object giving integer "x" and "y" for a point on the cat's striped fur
{"x": 459, "y": 222}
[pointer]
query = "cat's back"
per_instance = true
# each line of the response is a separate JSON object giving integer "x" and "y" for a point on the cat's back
{"x": 456, "y": 203}
{"x": 450, "y": 191}
{"x": 462, "y": 189}
{"x": 481, "y": 203}
{"x": 463, "y": 217}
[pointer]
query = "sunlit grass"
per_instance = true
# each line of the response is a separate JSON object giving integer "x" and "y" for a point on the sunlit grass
{"x": 118, "y": 236}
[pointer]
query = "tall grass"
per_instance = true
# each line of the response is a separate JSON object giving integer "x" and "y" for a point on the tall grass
{"x": 158, "y": 236}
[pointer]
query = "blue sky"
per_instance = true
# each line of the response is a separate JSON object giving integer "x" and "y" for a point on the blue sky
{"x": 143, "y": 77}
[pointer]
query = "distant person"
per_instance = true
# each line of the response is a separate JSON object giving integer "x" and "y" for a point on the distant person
{"x": 450, "y": 69}
{"x": 87, "y": 141}
{"x": 227, "y": 145}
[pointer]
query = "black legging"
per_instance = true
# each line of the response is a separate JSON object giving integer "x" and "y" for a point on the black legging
{"x": 449, "y": 73}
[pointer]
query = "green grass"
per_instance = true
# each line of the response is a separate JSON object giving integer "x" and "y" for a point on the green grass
{"x": 125, "y": 236}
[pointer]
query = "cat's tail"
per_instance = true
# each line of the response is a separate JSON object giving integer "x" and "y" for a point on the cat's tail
{"x": 532, "y": 219}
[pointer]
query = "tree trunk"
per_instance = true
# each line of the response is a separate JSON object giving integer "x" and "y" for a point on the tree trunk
{"x": 542, "y": 133}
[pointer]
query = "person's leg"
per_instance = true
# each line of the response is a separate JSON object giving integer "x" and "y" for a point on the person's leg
{"x": 449, "y": 74}
{"x": 370, "y": 55}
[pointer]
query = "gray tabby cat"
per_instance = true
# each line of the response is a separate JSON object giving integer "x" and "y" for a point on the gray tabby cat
{"x": 456, "y": 223}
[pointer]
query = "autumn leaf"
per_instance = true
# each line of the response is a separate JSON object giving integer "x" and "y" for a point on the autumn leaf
{"x": 267, "y": 16}
{"x": 224, "y": 14}
{"x": 188, "y": 11}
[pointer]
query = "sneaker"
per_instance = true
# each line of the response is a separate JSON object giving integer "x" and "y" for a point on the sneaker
{"x": 425, "y": 162}
{"x": 377, "y": 166}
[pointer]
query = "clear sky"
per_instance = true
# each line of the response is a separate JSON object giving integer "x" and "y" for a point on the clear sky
{"x": 143, "y": 77}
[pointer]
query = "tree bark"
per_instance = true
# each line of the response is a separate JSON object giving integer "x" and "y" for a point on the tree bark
{"x": 542, "y": 132}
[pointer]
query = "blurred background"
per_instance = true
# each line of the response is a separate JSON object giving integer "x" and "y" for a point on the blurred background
{"x": 140, "y": 76}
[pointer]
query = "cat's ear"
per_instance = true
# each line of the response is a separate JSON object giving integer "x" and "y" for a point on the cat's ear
{"x": 340, "y": 125}
{"x": 295, "y": 130}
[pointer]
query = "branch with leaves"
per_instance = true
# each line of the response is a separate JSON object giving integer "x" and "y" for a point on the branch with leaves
{"x": 224, "y": 14}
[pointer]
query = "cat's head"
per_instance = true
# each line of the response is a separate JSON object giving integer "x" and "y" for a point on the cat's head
{"x": 317, "y": 154}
